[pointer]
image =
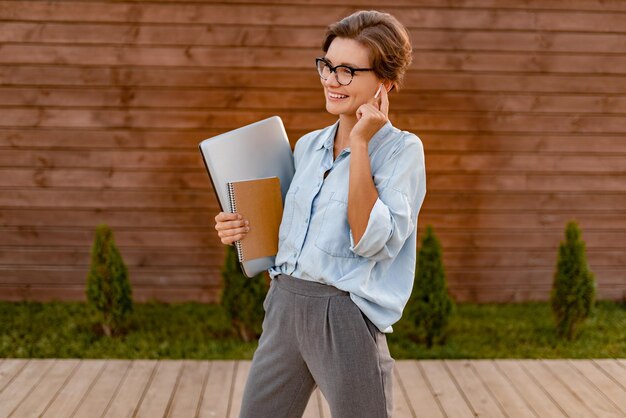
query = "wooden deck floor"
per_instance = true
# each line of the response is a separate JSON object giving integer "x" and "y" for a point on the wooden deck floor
{"x": 424, "y": 388}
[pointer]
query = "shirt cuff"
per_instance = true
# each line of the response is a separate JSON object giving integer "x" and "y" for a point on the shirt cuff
{"x": 378, "y": 231}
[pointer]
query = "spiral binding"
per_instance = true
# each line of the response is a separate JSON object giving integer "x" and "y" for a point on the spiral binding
{"x": 233, "y": 209}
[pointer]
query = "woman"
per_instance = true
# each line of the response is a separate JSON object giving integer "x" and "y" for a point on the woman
{"x": 347, "y": 241}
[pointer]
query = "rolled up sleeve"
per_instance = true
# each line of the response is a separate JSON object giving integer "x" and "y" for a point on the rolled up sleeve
{"x": 393, "y": 217}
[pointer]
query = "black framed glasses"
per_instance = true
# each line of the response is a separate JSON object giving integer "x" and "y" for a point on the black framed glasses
{"x": 343, "y": 73}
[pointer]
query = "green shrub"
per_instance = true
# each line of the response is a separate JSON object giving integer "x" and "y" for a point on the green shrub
{"x": 429, "y": 306}
{"x": 574, "y": 288}
{"x": 242, "y": 297}
{"x": 109, "y": 292}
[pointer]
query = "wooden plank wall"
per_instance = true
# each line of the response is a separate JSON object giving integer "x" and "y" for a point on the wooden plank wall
{"x": 520, "y": 106}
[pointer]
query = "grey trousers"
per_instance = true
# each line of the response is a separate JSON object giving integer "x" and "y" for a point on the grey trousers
{"x": 315, "y": 335}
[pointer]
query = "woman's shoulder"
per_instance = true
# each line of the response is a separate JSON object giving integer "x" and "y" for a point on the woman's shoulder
{"x": 399, "y": 141}
{"x": 405, "y": 136}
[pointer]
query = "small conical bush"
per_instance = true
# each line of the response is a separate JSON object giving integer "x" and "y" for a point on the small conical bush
{"x": 574, "y": 288}
{"x": 430, "y": 306}
{"x": 242, "y": 297}
{"x": 109, "y": 293}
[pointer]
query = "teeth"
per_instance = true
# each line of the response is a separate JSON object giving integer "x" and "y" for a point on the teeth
{"x": 336, "y": 96}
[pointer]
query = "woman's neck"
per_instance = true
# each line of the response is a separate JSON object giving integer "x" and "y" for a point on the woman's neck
{"x": 342, "y": 136}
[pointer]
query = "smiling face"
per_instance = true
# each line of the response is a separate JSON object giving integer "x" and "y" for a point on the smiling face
{"x": 345, "y": 51}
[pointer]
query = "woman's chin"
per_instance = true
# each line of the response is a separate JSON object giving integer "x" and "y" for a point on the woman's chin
{"x": 335, "y": 109}
{"x": 332, "y": 109}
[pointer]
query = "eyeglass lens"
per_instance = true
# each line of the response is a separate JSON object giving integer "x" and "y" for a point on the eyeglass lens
{"x": 343, "y": 74}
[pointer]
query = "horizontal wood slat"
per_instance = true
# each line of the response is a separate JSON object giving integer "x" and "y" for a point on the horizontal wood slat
{"x": 47, "y": 293}
{"x": 500, "y": 294}
{"x": 316, "y": 15}
{"x": 554, "y": 5}
{"x": 226, "y": 119}
{"x": 198, "y": 237}
{"x": 263, "y": 57}
{"x": 156, "y": 217}
{"x": 312, "y": 100}
{"x": 529, "y": 182}
{"x": 185, "y": 160}
{"x": 103, "y": 178}
{"x": 434, "y": 141}
{"x": 171, "y": 206}
{"x": 519, "y": 105}
{"x": 168, "y": 217}
{"x": 301, "y": 37}
{"x": 162, "y": 207}
{"x": 137, "y": 257}
{"x": 203, "y": 237}
{"x": 140, "y": 276}
{"x": 68, "y": 74}
{"x": 573, "y": 203}
{"x": 463, "y": 200}
{"x": 104, "y": 158}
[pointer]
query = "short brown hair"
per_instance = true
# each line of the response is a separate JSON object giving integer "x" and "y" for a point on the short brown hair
{"x": 386, "y": 38}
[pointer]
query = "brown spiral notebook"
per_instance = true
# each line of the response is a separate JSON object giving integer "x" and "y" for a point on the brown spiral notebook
{"x": 260, "y": 202}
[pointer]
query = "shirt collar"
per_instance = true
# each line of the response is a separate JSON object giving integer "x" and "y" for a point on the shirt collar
{"x": 327, "y": 141}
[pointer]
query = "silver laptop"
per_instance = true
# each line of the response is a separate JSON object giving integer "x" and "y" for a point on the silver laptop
{"x": 258, "y": 150}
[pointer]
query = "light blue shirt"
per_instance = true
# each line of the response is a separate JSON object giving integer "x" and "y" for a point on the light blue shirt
{"x": 315, "y": 239}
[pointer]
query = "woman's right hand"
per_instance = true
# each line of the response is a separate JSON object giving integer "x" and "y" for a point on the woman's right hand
{"x": 231, "y": 227}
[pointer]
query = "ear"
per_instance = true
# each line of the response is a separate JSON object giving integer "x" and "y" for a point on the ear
{"x": 389, "y": 85}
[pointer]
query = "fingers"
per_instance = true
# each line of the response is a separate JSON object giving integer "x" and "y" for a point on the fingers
{"x": 231, "y": 235}
{"x": 231, "y": 227}
{"x": 226, "y": 226}
{"x": 225, "y": 229}
{"x": 366, "y": 108}
{"x": 225, "y": 216}
{"x": 371, "y": 111}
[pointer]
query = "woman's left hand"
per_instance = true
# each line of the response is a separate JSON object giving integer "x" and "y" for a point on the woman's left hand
{"x": 371, "y": 116}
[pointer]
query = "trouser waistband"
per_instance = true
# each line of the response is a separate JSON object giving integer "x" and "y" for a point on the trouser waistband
{"x": 307, "y": 287}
